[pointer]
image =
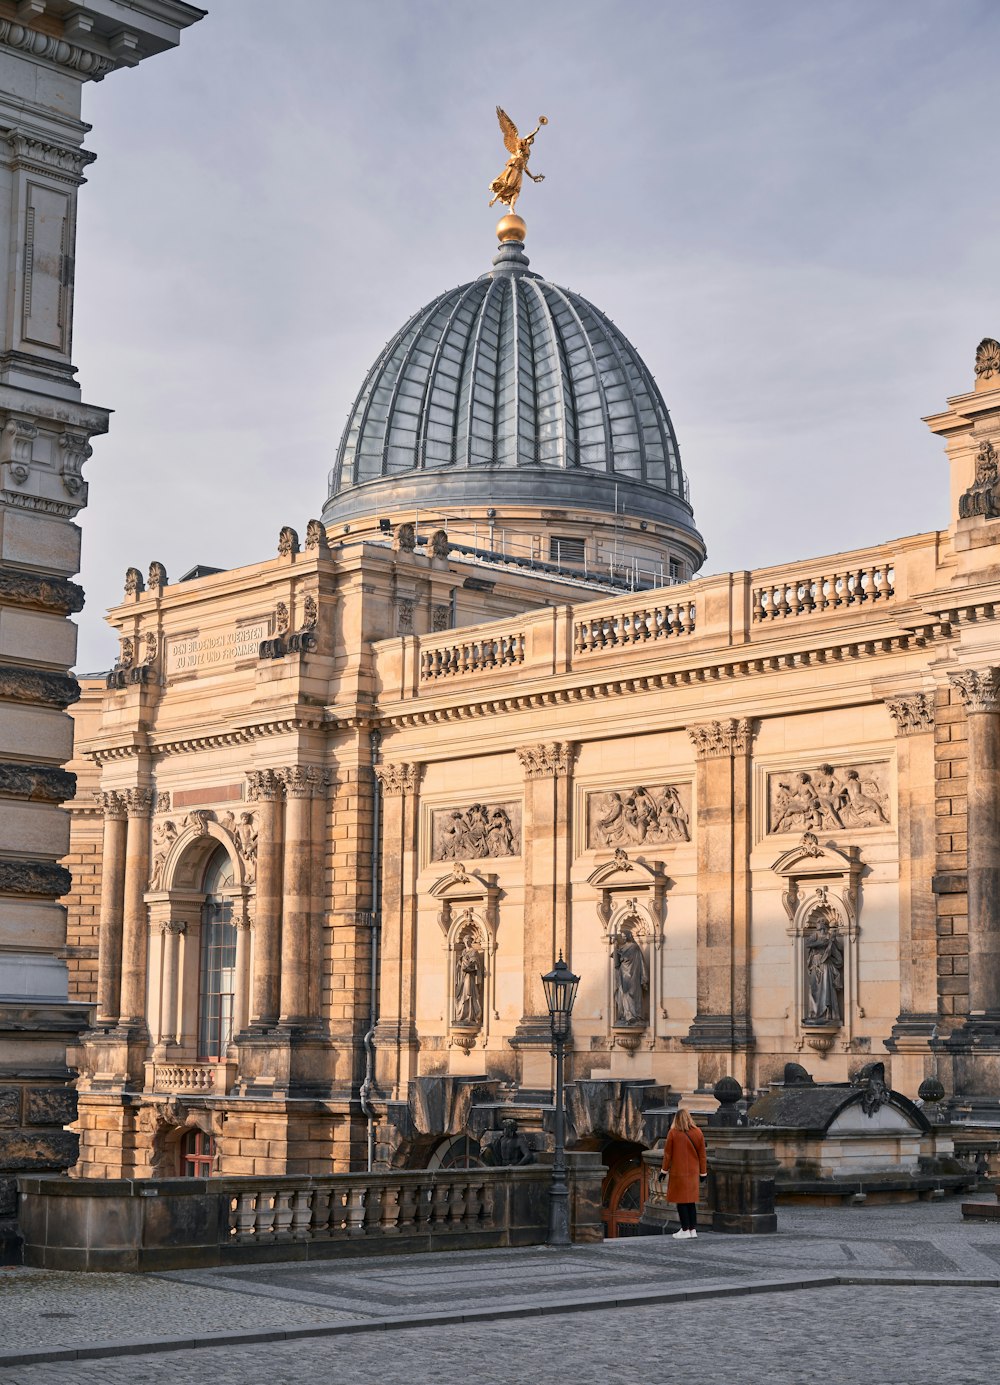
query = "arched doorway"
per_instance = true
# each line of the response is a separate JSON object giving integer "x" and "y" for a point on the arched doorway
{"x": 624, "y": 1190}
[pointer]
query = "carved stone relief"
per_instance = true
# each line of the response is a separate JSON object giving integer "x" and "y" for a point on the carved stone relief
{"x": 164, "y": 836}
{"x": 828, "y": 798}
{"x": 656, "y": 815}
{"x": 481, "y": 830}
{"x": 981, "y": 497}
{"x": 987, "y": 359}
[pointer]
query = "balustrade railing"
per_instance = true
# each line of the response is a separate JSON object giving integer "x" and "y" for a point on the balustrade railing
{"x": 187, "y": 1077}
{"x": 634, "y": 625}
{"x": 471, "y": 656}
{"x": 795, "y": 596}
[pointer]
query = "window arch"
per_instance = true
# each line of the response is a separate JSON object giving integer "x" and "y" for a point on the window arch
{"x": 217, "y": 971}
{"x": 458, "y": 1152}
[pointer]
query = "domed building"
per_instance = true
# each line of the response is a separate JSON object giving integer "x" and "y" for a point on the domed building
{"x": 339, "y": 810}
{"x": 515, "y": 414}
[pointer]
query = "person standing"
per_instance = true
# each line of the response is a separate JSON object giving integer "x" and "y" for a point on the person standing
{"x": 685, "y": 1163}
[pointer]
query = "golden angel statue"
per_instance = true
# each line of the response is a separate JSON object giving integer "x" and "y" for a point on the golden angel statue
{"x": 506, "y": 187}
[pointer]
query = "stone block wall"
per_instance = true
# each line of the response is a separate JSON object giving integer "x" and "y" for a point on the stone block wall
{"x": 952, "y": 861}
{"x": 83, "y": 904}
{"x": 33, "y": 1139}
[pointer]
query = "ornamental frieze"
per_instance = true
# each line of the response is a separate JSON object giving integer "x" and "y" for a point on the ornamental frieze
{"x": 828, "y": 798}
{"x": 655, "y": 815}
{"x": 476, "y": 832}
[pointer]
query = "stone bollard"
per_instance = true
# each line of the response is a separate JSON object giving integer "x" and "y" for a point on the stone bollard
{"x": 741, "y": 1173}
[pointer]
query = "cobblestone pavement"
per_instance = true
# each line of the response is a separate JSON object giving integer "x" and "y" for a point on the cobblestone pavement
{"x": 40, "y": 1309}
{"x": 854, "y": 1336}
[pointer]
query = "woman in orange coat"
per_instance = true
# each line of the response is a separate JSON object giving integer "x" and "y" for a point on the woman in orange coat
{"x": 684, "y": 1160}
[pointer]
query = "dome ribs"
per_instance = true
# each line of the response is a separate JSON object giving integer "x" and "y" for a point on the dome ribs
{"x": 435, "y": 387}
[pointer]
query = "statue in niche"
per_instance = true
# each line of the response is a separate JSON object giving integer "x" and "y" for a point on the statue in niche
{"x": 469, "y": 982}
{"x": 164, "y": 836}
{"x": 824, "y": 970}
{"x": 509, "y": 1148}
{"x": 631, "y": 978}
{"x": 981, "y": 497}
{"x": 640, "y": 815}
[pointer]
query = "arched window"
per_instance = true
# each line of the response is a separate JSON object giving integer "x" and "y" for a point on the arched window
{"x": 218, "y": 960}
{"x": 460, "y": 1152}
{"x": 197, "y": 1150}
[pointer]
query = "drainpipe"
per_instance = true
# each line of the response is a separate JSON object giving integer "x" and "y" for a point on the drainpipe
{"x": 375, "y": 924}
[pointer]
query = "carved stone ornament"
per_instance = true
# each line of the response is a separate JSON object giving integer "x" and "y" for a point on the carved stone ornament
{"x": 197, "y": 821}
{"x": 139, "y": 801}
{"x": 126, "y": 658}
{"x": 912, "y": 714}
{"x": 829, "y": 798}
{"x": 288, "y": 541}
{"x": 133, "y": 582}
{"x": 151, "y": 650}
{"x": 440, "y": 544}
{"x": 398, "y": 779}
{"x": 74, "y": 450}
{"x": 404, "y": 615}
{"x": 264, "y": 784}
{"x": 405, "y": 540}
{"x": 111, "y": 803}
{"x": 981, "y": 497}
{"x": 874, "y": 1090}
{"x": 310, "y": 613}
{"x": 281, "y": 618}
{"x": 440, "y": 619}
{"x": 979, "y": 689}
{"x": 716, "y": 738}
{"x": 315, "y": 535}
{"x": 164, "y": 835}
{"x": 656, "y": 816}
{"x": 157, "y": 575}
{"x": 468, "y": 918}
{"x": 987, "y": 359}
{"x": 549, "y": 760}
{"x": 173, "y": 926}
{"x": 481, "y": 830}
{"x": 631, "y": 907}
{"x": 16, "y": 447}
{"x": 243, "y": 832}
{"x": 163, "y": 801}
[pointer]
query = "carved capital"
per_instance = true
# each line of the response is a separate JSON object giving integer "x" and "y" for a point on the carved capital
{"x": 911, "y": 714}
{"x": 111, "y": 803}
{"x": 139, "y": 802}
{"x": 265, "y": 784}
{"x": 173, "y": 926}
{"x": 979, "y": 689}
{"x": 298, "y": 780}
{"x": 547, "y": 760}
{"x": 398, "y": 779}
{"x": 716, "y": 738}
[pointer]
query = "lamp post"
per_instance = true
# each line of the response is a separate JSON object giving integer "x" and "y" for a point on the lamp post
{"x": 560, "y": 992}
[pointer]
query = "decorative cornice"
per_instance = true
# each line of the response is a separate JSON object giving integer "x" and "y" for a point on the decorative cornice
{"x": 35, "y": 685}
{"x": 42, "y": 783}
{"x": 912, "y": 714}
{"x": 55, "y": 50}
{"x": 139, "y": 801}
{"x": 979, "y": 689}
{"x": 398, "y": 779}
{"x": 65, "y": 162}
{"x": 43, "y": 593}
{"x": 17, "y": 501}
{"x": 712, "y": 739}
{"x": 265, "y": 785}
{"x": 111, "y": 803}
{"x": 547, "y": 760}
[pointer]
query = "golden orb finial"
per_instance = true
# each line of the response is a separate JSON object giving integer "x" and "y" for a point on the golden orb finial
{"x": 511, "y": 227}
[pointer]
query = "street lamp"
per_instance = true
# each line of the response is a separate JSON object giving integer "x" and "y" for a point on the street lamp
{"x": 560, "y": 992}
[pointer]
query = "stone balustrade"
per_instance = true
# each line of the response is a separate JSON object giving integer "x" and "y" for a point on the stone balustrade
{"x": 190, "y": 1077}
{"x": 471, "y": 656}
{"x": 811, "y": 593}
{"x": 157, "y": 1224}
{"x": 634, "y": 625}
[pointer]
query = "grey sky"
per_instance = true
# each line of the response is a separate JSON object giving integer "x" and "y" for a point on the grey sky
{"x": 792, "y": 210}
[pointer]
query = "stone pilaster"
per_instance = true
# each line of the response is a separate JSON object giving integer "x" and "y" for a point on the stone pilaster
{"x": 395, "y": 1032}
{"x": 548, "y": 784}
{"x": 297, "y": 911}
{"x": 722, "y": 1031}
{"x": 135, "y": 942}
{"x": 268, "y": 791}
{"x": 913, "y": 716}
{"x": 109, "y": 950}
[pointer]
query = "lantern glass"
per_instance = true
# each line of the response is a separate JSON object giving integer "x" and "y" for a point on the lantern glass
{"x": 560, "y": 993}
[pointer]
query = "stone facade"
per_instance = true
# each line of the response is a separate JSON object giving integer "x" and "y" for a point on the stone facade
{"x": 770, "y": 792}
{"x": 47, "y": 54}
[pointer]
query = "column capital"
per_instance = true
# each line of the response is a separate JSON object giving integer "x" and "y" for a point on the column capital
{"x": 139, "y": 801}
{"x": 264, "y": 784}
{"x": 547, "y": 760}
{"x": 912, "y": 714}
{"x": 304, "y": 781}
{"x": 174, "y": 926}
{"x": 395, "y": 779}
{"x": 713, "y": 739}
{"x": 111, "y": 803}
{"x": 979, "y": 689}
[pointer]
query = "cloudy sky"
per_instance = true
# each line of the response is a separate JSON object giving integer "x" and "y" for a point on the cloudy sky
{"x": 790, "y": 206}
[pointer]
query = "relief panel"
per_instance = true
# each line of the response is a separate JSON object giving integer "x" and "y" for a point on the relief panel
{"x": 476, "y": 832}
{"x": 655, "y": 815}
{"x": 829, "y": 798}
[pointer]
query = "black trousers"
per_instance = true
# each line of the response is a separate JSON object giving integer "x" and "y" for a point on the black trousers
{"x": 688, "y": 1213}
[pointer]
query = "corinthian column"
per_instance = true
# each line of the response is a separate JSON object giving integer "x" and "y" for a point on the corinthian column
{"x": 109, "y": 942}
{"x": 547, "y": 854}
{"x": 135, "y": 941}
{"x": 980, "y": 692}
{"x": 721, "y": 1030}
{"x": 294, "y": 1007}
{"x": 268, "y": 791}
